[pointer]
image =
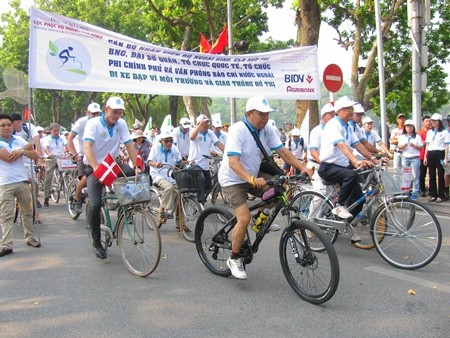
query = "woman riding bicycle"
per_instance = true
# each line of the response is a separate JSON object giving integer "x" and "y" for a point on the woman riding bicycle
{"x": 239, "y": 172}
{"x": 161, "y": 154}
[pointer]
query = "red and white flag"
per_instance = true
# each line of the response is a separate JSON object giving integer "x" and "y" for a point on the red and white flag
{"x": 139, "y": 161}
{"x": 107, "y": 171}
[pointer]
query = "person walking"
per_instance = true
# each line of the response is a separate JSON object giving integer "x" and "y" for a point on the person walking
{"x": 14, "y": 185}
{"x": 426, "y": 125}
{"x": 436, "y": 155}
{"x": 181, "y": 137}
{"x": 395, "y": 134}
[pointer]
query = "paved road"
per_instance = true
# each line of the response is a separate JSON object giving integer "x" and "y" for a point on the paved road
{"x": 62, "y": 290}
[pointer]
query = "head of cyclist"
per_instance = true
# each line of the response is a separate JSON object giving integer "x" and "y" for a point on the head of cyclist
{"x": 327, "y": 113}
{"x": 367, "y": 124}
{"x": 217, "y": 125}
{"x": 358, "y": 113}
{"x": 94, "y": 110}
{"x": 203, "y": 121}
{"x": 138, "y": 137}
{"x": 114, "y": 110}
{"x": 166, "y": 139}
{"x": 185, "y": 124}
{"x": 257, "y": 111}
{"x": 344, "y": 109}
{"x": 55, "y": 130}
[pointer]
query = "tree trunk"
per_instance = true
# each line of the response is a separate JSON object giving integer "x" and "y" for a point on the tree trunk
{"x": 308, "y": 22}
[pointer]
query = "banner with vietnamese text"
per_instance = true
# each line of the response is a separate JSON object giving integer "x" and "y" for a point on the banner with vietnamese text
{"x": 68, "y": 54}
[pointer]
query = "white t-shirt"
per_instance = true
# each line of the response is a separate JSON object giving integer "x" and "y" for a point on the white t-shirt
{"x": 410, "y": 151}
{"x": 296, "y": 148}
{"x": 315, "y": 139}
{"x": 240, "y": 142}
{"x": 372, "y": 137}
{"x": 336, "y": 131}
{"x": 13, "y": 172}
{"x": 200, "y": 147}
{"x": 106, "y": 139}
{"x": 23, "y": 134}
{"x": 78, "y": 130}
{"x": 159, "y": 154}
{"x": 222, "y": 137}
{"x": 55, "y": 145}
{"x": 436, "y": 140}
{"x": 181, "y": 140}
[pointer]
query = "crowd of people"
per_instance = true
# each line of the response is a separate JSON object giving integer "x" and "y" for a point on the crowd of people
{"x": 345, "y": 139}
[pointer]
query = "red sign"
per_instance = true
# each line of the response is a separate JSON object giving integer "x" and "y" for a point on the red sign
{"x": 332, "y": 78}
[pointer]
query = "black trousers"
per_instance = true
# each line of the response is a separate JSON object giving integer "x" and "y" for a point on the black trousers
{"x": 350, "y": 190}
{"x": 422, "y": 176}
{"x": 435, "y": 167}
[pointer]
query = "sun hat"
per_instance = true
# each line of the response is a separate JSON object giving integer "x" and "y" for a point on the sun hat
{"x": 258, "y": 103}
{"x": 366, "y": 120}
{"x": 202, "y": 118}
{"x": 328, "y": 108}
{"x": 94, "y": 108}
{"x": 217, "y": 124}
{"x": 343, "y": 102}
{"x": 358, "y": 109}
{"x": 115, "y": 102}
{"x": 185, "y": 122}
{"x": 296, "y": 132}
{"x": 165, "y": 134}
{"x": 136, "y": 134}
{"x": 409, "y": 122}
{"x": 436, "y": 116}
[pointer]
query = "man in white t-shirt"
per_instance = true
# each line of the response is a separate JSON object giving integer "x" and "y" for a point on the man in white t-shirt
{"x": 14, "y": 185}
{"x": 181, "y": 137}
{"x": 372, "y": 137}
{"x": 395, "y": 134}
{"x": 239, "y": 172}
{"x": 221, "y": 136}
{"x": 77, "y": 133}
{"x": 202, "y": 139}
{"x": 338, "y": 161}
{"x": 103, "y": 135}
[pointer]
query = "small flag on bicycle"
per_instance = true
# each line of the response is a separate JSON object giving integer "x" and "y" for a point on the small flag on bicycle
{"x": 139, "y": 161}
{"x": 107, "y": 171}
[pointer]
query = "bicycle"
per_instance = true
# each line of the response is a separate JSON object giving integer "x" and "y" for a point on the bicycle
{"x": 313, "y": 275}
{"x": 405, "y": 233}
{"x": 62, "y": 176}
{"x": 135, "y": 230}
{"x": 188, "y": 206}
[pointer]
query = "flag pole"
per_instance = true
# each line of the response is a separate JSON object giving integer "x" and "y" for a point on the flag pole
{"x": 230, "y": 52}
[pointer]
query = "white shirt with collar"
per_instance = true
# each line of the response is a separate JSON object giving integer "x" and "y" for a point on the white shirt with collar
{"x": 23, "y": 134}
{"x": 409, "y": 151}
{"x": 182, "y": 140}
{"x": 200, "y": 147}
{"x": 13, "y": 172}
{"x": 436, "y": 140}
{"x": 55, "y": 145}
{"x": 159, "y": 154}
{"x": 78, "y": 130}
{"x": 240, "y": 142}
{"x": 336, "y": 131}
{"x": 315, "y": 140}
{"x": 106, "y": 139}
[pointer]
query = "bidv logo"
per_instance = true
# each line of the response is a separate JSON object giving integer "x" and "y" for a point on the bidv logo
{"x": 295, "y": 80}
{"x": 68, "y": 60}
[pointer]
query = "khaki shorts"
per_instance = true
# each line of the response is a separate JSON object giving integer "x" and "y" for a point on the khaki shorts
{"x": 237, "y": 194}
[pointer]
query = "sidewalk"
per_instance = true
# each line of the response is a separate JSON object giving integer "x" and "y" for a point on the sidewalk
{"x": 437, "y": 208}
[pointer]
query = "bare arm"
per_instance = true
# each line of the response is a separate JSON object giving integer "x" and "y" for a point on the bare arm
{"x": 287, "y": 156}
{"x": 70, "y": 144}
{"x": 315, "y": 155}
{"x": 235, "y": 164}
{"x": 132, "y": 154}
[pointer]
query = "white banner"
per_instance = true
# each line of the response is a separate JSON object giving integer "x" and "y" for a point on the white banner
{"x": 69, "y": 54}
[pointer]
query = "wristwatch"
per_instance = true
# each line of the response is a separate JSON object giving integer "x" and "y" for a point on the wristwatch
{"x": 23, "y": 151}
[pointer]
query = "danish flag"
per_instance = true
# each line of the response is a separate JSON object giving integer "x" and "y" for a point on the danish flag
{"x": 107, "y": 171}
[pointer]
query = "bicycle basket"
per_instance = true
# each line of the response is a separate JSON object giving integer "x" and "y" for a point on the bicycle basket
{"x": 190, "y": 180}
{"x": 65, "y": 163}
{"x": 394, "y": 183}
{"x": 132, "y": 190}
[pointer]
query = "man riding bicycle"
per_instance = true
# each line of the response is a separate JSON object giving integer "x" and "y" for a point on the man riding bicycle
{"x": 239, "y": 172}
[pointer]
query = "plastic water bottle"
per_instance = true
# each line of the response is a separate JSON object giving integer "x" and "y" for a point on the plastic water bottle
{"x": 443, "y": 164}
{"x": 260, "y": 220}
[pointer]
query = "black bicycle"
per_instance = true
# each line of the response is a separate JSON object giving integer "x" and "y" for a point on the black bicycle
{"x": 313, "y": 275}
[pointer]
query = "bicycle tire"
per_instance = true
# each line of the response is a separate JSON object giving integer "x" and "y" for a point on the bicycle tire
{"x": 55, "y": 191}
{"x": 406, "y": 233}
{"x": 314, "y": 276}
{"x": 154, "y": 204}
{"x": 71, "y": 193}
{"x": 363, "y": 229}
{"x": 302, "y": 203}
{"x": 139, "y": 241}
{"x": 191, "y": 211}
{"x": 213, "y": 247}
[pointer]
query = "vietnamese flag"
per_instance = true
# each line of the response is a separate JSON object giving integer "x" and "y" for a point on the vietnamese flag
{"x": 139, "y": 161}
{"x": 107, "y": 171}
{"x": 205, "y": 47}
{"x": 221, "y": 42}
{"x": 26, "y": 114}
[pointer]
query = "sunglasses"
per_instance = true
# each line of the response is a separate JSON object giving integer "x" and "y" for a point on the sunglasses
{"x": 168, "y": 141}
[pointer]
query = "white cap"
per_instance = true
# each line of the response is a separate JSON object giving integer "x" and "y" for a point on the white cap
{"x": 217, "y": 124}
{"x": 358, "y": 109}
{"x": 136, "y": 134}
{"x": 94, "y": 108}
{"x": 258, "y": 103}
{"x": 436, "y": 117}
{"x": 328, "y": 108}
{"x": 202, "y": 118}
{"x": 165, "y": 133}
{"x": 410, "y": 122}
{"x": 296, "y": 132}
{"x": 39, "y": 128}
{"x": 366, "y": 120}
{"x": 115, "y": 102}
{"x": 343, "y": 102}
{"x": 184, "y": 121}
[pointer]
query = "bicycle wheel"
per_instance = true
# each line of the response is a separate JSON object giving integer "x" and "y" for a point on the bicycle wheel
{"x": 55, "y": 191}
{"x": 139, "y": 241}
{"x": 191, "y": 211}
{"x": 70, "y": 197}
{"x": 363, "y": 229}
{"x": 213, "y": 239}
{"x": 153, "y": 205}
{"x": 406, "y": 233}
{"x": 314, "y": 276}
{"x": 312, "y": 206}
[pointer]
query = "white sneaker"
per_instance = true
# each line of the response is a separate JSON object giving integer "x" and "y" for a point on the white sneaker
{"x": 274, "y": 227}
{"x": 237, "y": 267}
{"x": 341, "y": 212}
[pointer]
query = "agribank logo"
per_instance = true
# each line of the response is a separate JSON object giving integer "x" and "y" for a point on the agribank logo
{"x": 68, "y": 60}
